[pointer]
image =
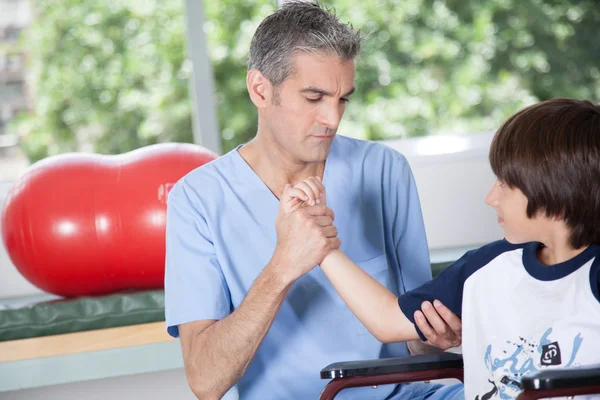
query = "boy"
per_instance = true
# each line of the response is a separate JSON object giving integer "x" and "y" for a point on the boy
{"x": 531, "y": 300}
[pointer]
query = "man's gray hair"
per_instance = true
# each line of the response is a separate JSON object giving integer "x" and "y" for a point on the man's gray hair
{"x": 299, "y": 26}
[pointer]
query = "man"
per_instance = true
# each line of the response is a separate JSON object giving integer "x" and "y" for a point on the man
{"x": 241, "y": 286}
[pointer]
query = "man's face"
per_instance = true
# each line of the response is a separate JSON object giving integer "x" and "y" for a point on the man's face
{"x": 311, "y": 102}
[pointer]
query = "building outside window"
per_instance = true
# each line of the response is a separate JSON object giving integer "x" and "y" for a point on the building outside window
{"x": 15, "y": 15}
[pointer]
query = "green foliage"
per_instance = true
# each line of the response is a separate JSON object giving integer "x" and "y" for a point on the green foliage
{"x": 229, "y": 27}
{"x": 114, "y": 73}
{"x": 111, "y": 74}
{"x": 432, "y": 66}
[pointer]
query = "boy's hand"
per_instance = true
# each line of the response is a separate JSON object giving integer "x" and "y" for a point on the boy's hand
{"x": 313, "y": 189}
{"x": 308, "y": 192}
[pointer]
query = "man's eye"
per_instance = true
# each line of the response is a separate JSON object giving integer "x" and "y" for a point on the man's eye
{"x": 314, "y": 100}
{"x": 342, "y": 100}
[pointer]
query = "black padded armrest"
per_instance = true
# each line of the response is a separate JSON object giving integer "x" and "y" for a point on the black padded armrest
{"x": 392, "y": 365}
{"x": 563, "y": 378}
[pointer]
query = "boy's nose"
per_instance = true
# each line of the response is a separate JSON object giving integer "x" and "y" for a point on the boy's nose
{"x": 491, "y": 199}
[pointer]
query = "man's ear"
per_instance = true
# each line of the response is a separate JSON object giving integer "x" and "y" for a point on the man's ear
{"x": 259, "y": 88}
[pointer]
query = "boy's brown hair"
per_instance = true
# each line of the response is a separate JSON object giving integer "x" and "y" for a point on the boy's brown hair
{"x": 551, "y": 152}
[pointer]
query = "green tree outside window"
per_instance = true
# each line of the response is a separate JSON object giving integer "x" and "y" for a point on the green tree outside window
{"x": 112, "y": 76}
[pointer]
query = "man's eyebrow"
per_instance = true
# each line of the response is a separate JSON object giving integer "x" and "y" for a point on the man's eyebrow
{"x": 316, "y": 90}
{"x": 349, "y": 92}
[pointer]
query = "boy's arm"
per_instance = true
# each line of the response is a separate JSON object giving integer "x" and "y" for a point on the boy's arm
{"x": 374, "y": 305}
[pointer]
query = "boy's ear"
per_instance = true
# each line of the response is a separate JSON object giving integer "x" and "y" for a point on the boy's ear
{"x": 259, "y": 87}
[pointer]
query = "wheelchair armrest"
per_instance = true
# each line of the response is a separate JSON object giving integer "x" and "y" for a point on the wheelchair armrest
{"x": 563, "y": 378}
{"x": 426, "y": 362}
{"x": 390, "y": 370}
{"x": 561, "y": 382}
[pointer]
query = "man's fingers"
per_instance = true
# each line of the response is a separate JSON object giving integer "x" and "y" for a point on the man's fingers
{"x": 320, "y": 210}
{"x": 334, "y": 243}
{"x": 330, "y": 231}
{"x": 434, "y": 319}
{"x": 439, "y": 325}
{"x": 451, "y": 319}
{"x": 424, "y": 326}
{"x": 324, "y": 220}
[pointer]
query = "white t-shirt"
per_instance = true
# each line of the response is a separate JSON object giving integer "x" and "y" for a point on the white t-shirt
{"x": 518, "y": 315}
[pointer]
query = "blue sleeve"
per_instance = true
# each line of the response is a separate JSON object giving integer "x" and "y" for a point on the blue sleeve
{"x": 447, "y": 287}
{"x": 408, "y": 231}
{"x": 195, "y": 288}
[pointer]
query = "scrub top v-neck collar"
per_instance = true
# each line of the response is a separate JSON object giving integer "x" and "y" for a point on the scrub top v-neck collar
{"x": 254, "y": 181}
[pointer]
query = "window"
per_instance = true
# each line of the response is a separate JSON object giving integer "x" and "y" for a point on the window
{"x": 429, "y": 67}
{"x": 113, "y": 76}
{"x": 106, "y": 77}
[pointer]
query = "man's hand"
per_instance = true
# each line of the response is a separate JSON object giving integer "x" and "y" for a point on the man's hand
{"x": 305, "y": 231}
{"x": 441, "y": 327}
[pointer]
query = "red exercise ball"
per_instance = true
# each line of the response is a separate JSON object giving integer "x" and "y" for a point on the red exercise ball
{"x": 84, "y": 224}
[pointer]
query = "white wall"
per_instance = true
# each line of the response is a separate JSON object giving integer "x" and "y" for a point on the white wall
{"x": 452, "y": 175}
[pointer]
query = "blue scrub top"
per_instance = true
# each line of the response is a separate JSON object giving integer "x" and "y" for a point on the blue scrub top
{"x": 221, "y": 234}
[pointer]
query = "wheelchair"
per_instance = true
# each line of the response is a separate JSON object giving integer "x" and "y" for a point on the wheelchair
{"x": 543, "y": 384}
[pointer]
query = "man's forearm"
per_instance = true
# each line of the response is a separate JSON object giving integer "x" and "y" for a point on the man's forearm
{"x": 219, "y": 355}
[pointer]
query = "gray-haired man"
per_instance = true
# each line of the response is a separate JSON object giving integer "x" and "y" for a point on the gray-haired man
{"x": 242, "y": 290}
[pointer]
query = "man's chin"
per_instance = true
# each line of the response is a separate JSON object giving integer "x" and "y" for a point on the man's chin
{"x": 318, "y": 156}
{"x": 315, "y": 154}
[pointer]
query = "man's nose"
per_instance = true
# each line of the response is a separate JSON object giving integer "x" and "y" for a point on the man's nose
{"x": 330, "y": 116}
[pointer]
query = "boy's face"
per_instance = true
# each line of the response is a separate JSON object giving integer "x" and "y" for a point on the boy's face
{"x": 511, "y": 208}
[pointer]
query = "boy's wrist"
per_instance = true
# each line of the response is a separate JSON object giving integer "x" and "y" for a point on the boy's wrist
{"x": 330, "y": 259}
